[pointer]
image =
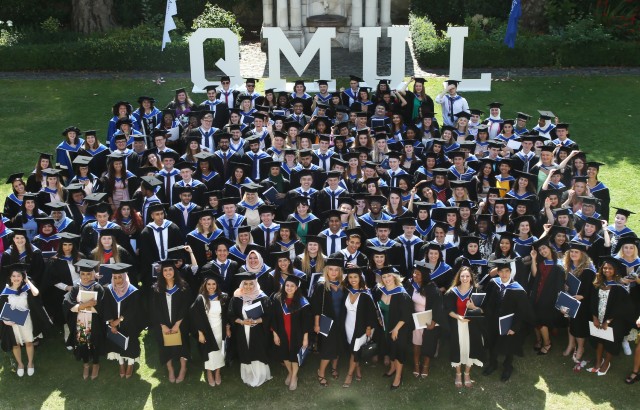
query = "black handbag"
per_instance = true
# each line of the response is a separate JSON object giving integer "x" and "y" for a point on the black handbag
{"x": 368, "y": 350}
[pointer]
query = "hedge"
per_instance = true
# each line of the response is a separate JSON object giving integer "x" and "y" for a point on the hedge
{"x": 103, "y": 54}
{"x": 542, "y": 51}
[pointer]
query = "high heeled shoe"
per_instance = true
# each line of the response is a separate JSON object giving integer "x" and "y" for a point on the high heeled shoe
{"x": 458, "y": 381}
{"x": 393, "y": 387}
{"x": 602, "y": 373}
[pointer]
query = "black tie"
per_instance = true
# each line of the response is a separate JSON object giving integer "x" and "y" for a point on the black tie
{"x": 232, "y": 232}
{"x": 333, "y": 243}
{"x": 409, "y": 255}
{"x": 159, "y": 230}
{"x": 267, "y": 241}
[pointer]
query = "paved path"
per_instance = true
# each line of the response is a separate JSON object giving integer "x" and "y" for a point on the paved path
{"x": 253, "y": 63}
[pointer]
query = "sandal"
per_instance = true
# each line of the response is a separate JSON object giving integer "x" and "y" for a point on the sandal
{"x": 122, "y": 371}
{"x": 468, "y": 383}
{"x": 425, "y": 372}
{"x": 458, "y": 381}
{"x": 632, "y": 378}
{"x": 577, "y": 358}
{"x": 85, "y": 371}
{"x": 544, "y": 350}
{"x": 323, "y": 381}
{"x": 334, "y": 373}
{"x": 416, "y": 370}
{"x": 347, "y": 381}
{"x": 537, "y": 345}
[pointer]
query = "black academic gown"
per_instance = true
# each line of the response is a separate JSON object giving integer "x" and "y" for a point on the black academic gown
{"x": 39, "y": 319}
{"x": 543, "y": 300}
{"x": 150, "y": 252}
{"x": 400, "y": 309}
{"x": 579, "y": 326}
{"x": 620, "y": 311}
{"x": 227, "y": 284}
{"x": 175, "y": 215}
{"x": 57, "y": 271}
{"x": 82, "y": 351}
{"x": 35, "y": 262}
{"x": 132, "y": 310}
{"x": 199, "y": 322}
{"x": 366, "y": 316}
{"x": 434, "y": 302}
{"x": 89, "y": 238}
{"x": 514, "y": 301}
{"x": 301, "y": 324}
{"x": 259, "y": 335}
{"x": 330, "y": 346}
{"x": 180, "y": 302}
{"x": 474, "y": 328}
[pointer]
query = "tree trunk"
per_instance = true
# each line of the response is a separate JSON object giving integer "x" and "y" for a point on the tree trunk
{"x": 533, "y": 16}
{"x": 92, "y": 16}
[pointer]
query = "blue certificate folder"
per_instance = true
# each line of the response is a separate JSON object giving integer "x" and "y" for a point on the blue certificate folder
{"x": 118, "y": 338}
{"x": 19, "y": 317}
{"x": 325, "y": 325}
{"x": 254, "y": 311}
{"x": 573, "y": 284}
{"x": 504, "y": 323}
{"x": 567, "y": 304}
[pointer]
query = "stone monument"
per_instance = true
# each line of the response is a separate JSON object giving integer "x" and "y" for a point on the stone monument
{"x": 299, "y": 19}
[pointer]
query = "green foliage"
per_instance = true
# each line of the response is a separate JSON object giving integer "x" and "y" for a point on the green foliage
{"x": 440, "y": 12}
{"x": 9, "y": 35}
{"x": 108, "y": 53}
{"x": 480, "y": 26}
{"x": 51, "y": 25}
{"x": 424, "y": 36}
{"x": 585, "y": 30}
{"x": 215, "y": 16}
{"x": 559, "y": 12}
{"x": 28, "y": 14}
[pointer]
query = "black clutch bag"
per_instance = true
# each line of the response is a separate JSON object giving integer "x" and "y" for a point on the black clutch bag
{"x": 368, "y": 350}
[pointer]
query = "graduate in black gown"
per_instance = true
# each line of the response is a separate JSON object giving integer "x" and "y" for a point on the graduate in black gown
{"x": 578, "y": 263}
{"x": 85, "y": 318}
{"x": 397, "y": 308}
{"x": 124, "y": 313}
{"x": 251, "y": 336}
{"x": 328, "y": 301}
{"x": 465, "y": 326}
{"x": 291, "y": 326}
{"x": 504, "y": 297}
{"x": 21, "y": 251}
{"x": 221, "y": 265}
{"x": 209, "y": 326}
{"x": 170, "y": 301}
{"x": 548, "y": 280}
{"x": 611, "y": 307}
{"x": 60, "y": 276}
{"x": 20, "y": 293}
{"x": 360, "y": 319}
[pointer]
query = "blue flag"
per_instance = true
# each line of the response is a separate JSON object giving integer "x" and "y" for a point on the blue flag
{"x": 512, "y": 27}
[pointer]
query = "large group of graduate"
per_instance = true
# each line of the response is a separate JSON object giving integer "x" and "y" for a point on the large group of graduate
{"x": 353, "y": 225}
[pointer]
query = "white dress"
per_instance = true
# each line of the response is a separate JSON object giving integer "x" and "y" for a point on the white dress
{"x": 216, "y": 358}
{"x": 23, "y": 334}
{"x": 350, "y": 321}
{"x": 256, "y": 373}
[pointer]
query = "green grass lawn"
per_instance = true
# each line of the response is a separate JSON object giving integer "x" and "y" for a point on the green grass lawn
{"x": 602, "y": 114}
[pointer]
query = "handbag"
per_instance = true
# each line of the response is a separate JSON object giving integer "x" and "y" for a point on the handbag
{"x": 368, "y": 350}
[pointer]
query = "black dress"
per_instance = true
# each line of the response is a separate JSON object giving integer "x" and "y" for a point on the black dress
{"x": 544, "y": 293}
{"x": 620, "y": 311}
{"x": 301, "y": 323}
{"x": 255, "y": 349}
{"x": 130, "y": 307}
{"x": 180, "y": 302}
{"x": 57, "y": 271}
{"x": 87, "y": 345}
{"x": 199, "y": 322}
{"x": 579, "y": 326}
{"x": 330, "y": 346}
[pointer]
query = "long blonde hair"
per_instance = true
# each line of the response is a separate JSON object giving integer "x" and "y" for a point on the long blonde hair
{"x": 325, "y": 276}
{"x": 584, "y": 263}
{"x": 305, "y": 262}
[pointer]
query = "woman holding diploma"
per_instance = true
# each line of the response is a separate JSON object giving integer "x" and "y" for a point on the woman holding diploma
{"x": 208, "y": 318}
{"x": 83, "y": 309}
{"x": 360, "y": 318}
{"x": 291, "y": 325}
{"x": 250, "y": 312}
{"x": 467, "y": 345}
{"x": 21, "y": 295}
{"x": 396, "y": 307}
{"x": 123, "y": 312}
{"x": 170, "y": 303}
{"x": 548, "y": 281}
{"x": 578, "y": 264}
{"x": 612, "y": 311}
{"x": 425, "y": 296}
{"x": 328, "y": 307}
